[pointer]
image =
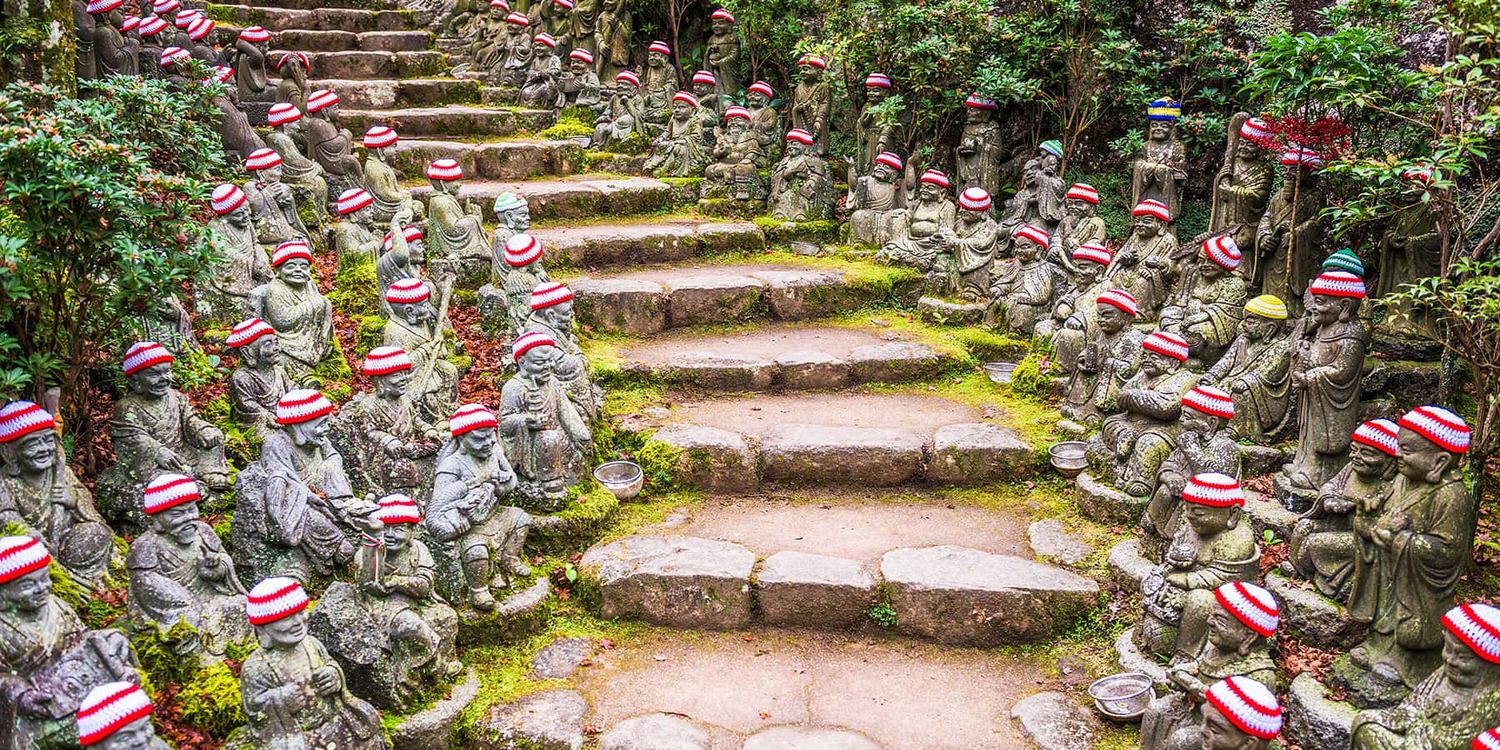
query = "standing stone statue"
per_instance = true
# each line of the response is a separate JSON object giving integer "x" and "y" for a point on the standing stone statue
{"x": 293, "y": 67}
{"x": 678, "y": 150}
{"x": 612, "y": 37}
{"x": 117, "y": 716}
{"x": 1410, "y": 249}
{"x": 540, "y": 427}
{"x": 291, "y": 303}
{"x": 248, "y": 58}
{"x": 542, "y": 87}
{"x": 517, "y": 48}
{"x": 1289, "y": 233}
{"x": 423, "y": 332}
{"x": 625, "y": 116}
{"x": 1080, "y": 225}
{"x": 40, "y": 493}
{"x": 85, "y": 67}
{"x": 1203, "y": 446}
{"x": 293, "y": 692}
{"x": 1149, "y": 263}
{"x": 1089, "y": 262}
{"x": 722, "y": 53}
{"x": 456, "y": 229}
{"x": 303, "y": 174}
{"x": 764, "y": 118}
{"x": 979, "y": 150}
{"x": 223, "y": 291}
{"x": 738, "y": 160}
{"x": 1023, "y": 288}
{"x": 801, "y": 183}
{"x": 551, "y": 16}
{"x": 523, "y": 271}
{"x": 384, "y": 185}
{"x": 968, "y": 252}
{"x": 915, "y": 232}
{"x": 579, "y": 83}
{"x": 151, "y": 32}
{"x": 1256, "y": 368}
{"x": 271, "y": 200}
{"x": 404, "y": 257}
{"x": 1240, "y": 714}
{"x": 552, "y": 316}
{"x": 259, "y": 381}
{"x": 1207, "y": 311}
{"x": 1143, "y": 431}
{"x": 1106, "y": 352}
{"x": 876, "y": 199}
{"x": 239, "y": 139}
{"x": 114, "y": 55}
{"x": 386, "y": 443}
{"x": 711, "y": 104}
{"x": 466, "y": 518}
{"x": 206, "y": 43}
{"x": 1243, "y": 184}
{"x": 1323, "y": 547}
{"x": 1162, "y": 168}
{"x": 354, "y": 231}
{"x": 812, "y": 102}
{"x": 330, "y": 145}
{"x": 583, "y": 23}
{"x": 872, "y": 135}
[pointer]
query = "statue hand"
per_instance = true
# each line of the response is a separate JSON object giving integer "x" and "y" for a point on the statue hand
{"x": 533, "y": 423}
{"x": 167, "y": 459}
{"x": 374, "y": 588}
{"x": 35, "y": 702}
{"x": 326, "y": 681}
{"x": 1338, "y": 506}
{"x": 1178, "y": 579}
{"x": 419, "y": 450}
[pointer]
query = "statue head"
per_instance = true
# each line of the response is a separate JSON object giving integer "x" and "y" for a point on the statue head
{"x": 721, "y": 26}
{"x": 1471, "y": 653}
{"x": 1161, "y": 119}
{"x": 974, "y": 205}
{"x": 887, "y": 167}
{"x": 1239, "y": 714}
{"x": 473, "y": 427}
{"x": 1220, "y": 257}
{"x": 759, "y": 95}
{"x": 28, "y": 438}
{"x": 1265, "y": 318}
{"x": 28, "y": 587}
{"x": 1212, "y": 503}
{"x": 1028, "y": 241}
{"x": 1206, "y": 409}
{"x": 1334, "y": 297}
{"x": 304, "y": 414}
{"x": 538, "y": 362}
{"x": 1149, "y": 218}
{"x": 513, "y": 212}
{"x": 1431, "y": 444}
{"x": 543, "y": 44}
{"x": 398, "y": 515}
{"x": 1299, "y": 165}
{"x": 657, "y": 54}
{"x": 152, "y": 382}
{"x": 704, "y": 83}
{"x": 1247, "y": 615}
{"x": 296, "y": 272}
{"x": 116, "y": 716}
{"x": 736, "y": 126}
{"x": 171, "y": 505}
{"x": 979, "y": 109}
{"x": 1162, "y": 353}
{"x": 683, "y": 106}
{"x": 932, "y": 187}
{"x": 445, "y": 176}
{"x": 810, "y": 68}
{"x": 416, "y": 246}
{"x": 578, "y": 64}
{"x": 1049, "y": 156}
{"x": 389, "y": 369}
{"x": 1374, "y": 447}
{"x": 264, "y": 165}
{"x": 380, "y": 143}
{"x": 277, "y": 607}
{"x": 1116, "y": 310}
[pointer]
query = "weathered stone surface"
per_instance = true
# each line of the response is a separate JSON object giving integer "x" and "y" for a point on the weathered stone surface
{"x": 515, "y": 616}
{"x": 634, "y": 306}
{"x": 655, "y": 732}
{"x": 673, "y": 581}
{"x": 1055, "y": 722}
{"x": 657, "y": 242}
{"x": 364, "y": 65}
{"x": 943, "y": 312}
{"x": 1408, "y": 384}
{"x": 797, "y": 588}
{"x": 576, "y": 197}
{"x": 893, "y": 362}
{"x": 432, "y": 729}
{"x": 1312, "y": 618}
{"x": 311, "y": 4}
{"x": 976, "y": 452}
{"x": 1105, "y": 504}
{"x": 551, "y": 720}
{"x": 344, "y": 41}
{"x": 559, "y": 659}
{"x": 400, "y": 93}
{"x": 1267, "y": 514}
{"x": 713, "y": 371}
{"x": 808, "y": 738}
{"x": 812, "y": 370}
{"x": 1131, "y": 659}
{"x": 1127, "y": 565}
{"x": 1256, "y": 460}
{"x": 450, "y": 120}
{"x": 712, "y": 459}
{"x": 1314, "y": 721}
{"x": 803, "y": 294}
{"x": 331, "y": 19}
{"x": 1050, "y": 540}
{"x": 711, "y": 297}
{"x": 820, "y": 454}
{"x": 957, "y": 595}
{"x": 494, "y": 160}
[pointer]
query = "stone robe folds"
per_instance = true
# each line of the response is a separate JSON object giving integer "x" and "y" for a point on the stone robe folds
{"x": 801, "y": 188}
{"x": 114, "y": 54}
{"x": 457, "y": 236}
{"x": 224, "y": 291}
{"x": 1147, "y": 268}
{"x": 1285, "y": 252}
{"x": 289, "y": 512}
{"x": 1210, "y": 313}
{"x": 275, "y": 210}
{"x": 1431, "y": 718}
{"x": 284, "y": 710}
{"x": 1158, "y": 173}
{"x": 1323, "y": 545}
{"x": 1239, "y": 199}
{"x": 373, "y": 435}
{"x": 552, "y": 453}
{"x": 330, "y": 146}
{"x": 303, "y": 174}
{"x": 571, "y": 369}
{"x": 386, "y": 189}
{"x": 1328, "y": 405}
{"x": 979, "y": 155}
{"x": 811, "y": 104}
{"x": 253, "y": 396}
{"x": 59, "y": 511}
{"x": 542, "y": 87}
{"x": 678, "y": 151}
{"x": 915, "y": 233}
{"x": 1023, "y": 293}
{"x": 436, "y": 395}
{"x": 303, "y": 320}
{"x": 1143, "y": 432}
{"x": 1258, "y": 375}
{"x": 169, "y": 583}
{"x": 151, "y": 433}
{"x": 973, "y": 247}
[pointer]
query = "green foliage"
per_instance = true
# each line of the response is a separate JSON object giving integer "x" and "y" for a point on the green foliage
{"x": 211, "y": 700}
{"x": 658, "y": 461}
{"x": 882, "y": 614}
{"x": 369, "y": 334}
{"x": 241, "y": 446}
{"x": 1029, "y": 379}
{"x": 571, "y": 122}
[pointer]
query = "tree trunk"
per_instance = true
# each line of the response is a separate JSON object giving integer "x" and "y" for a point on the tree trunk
{"x": 28, "y": 49}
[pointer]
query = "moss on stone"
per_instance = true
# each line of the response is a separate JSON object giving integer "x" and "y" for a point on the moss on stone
{"x": 589, "y": 511}
{"x": 565, "y": 129}
{"x": 335, "y": 375}
{"x": 242, "y": 446}
{"x": 211, "y": 700}
{"x": 356, "y": 290}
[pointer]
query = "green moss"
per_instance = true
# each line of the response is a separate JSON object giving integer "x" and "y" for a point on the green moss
{"x": 658, "y": 461}
{"x": 99, "y": 611}
{"x": 157, "y": 654}
{"x": 193, "y": 368}
{"x": 589, "y": 511}
{"x": 211, "y": 701}
{"x": 242, "y": 446}
{"x": 565, "y": 129}
{"x": 1029, "y": 381}
{"x": 356, "y": 290}
{"x": 780, "y": 232}
{"x": 368, "y": 334}
{"x": 335, "y": 375}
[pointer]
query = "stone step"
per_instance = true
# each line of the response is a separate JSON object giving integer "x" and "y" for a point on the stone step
{"x": 737, "y": 444}
{"x": 598, "y": 245}
{"x": 400, "y": 93}
{"x": 308, "y": 40}
{"x": 375, "y": 65}
{"x": 316, "y": 4}
{"x": 314, "y": 19}
{"x": 507, "y": 160}
{"x": 449, "y": 120}
{"x": 576, "y": 197}
{"x": 785, "y": 357}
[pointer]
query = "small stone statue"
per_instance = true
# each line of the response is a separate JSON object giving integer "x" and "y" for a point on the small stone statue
{"x": 383, "y": 183}
{"x": 1162, "y": 168}
{"x": 678, "y": 150}
{"x": 456, "y": 229}
{"x": 1089, "y": 262}
{"x": 540, "y": 426}
{"x": 205, "y": 42}
{"x": 114, "y": 55}
{"x": 1457, "y": 702}
{"x": 1023, "y": 288}
{"x": 303, "y": 174}
{"x": 151, "y": 34}
{"x": 386, "y": 443}
{"x": 1080, "y": 226}
{"x": 979, "y": 150}
{"x": 542, "y": 87}
{"x": 330, "y": 145}
{"x": 117, "y": 716}
{"x": 180, "y": 573}
{"x": 518, "y": 52}
{"x": 1256, "y": 368}
{"x": 291, "y": 303}
{"x": 1290, "y": 231}
{"x": 1243, "y": 184}
{"x": 962, "y": 268}
{"x": 292, "y": 88}
{"x": 1148, "y": 264}
{"x": 423, "y": 332}
{"x": 354, "y": 231}
{"x": 248, "y": 59}
{"x": 521, "y": 273}
{"x": 711, "y": 106}
{"x": 404, "y": 257}
{"x": 39, "y": 492}
{"x": 484, "y": 537}
{"x": 738, "y": 159}
{"x": 871, "y": 135}
{"x": 916, "y": 231}
{"x": 85, "y": 67}
{"x": 812, "y": 102}
{"x": 513, "y": 217}
{"x": 1239, "y": 714}
{"x": 625, "y": 115}
{"x": 1410, "y": 249}
{"x": 801, "y": 183}
{"x": 239, "y": 138}
{"x": 1323, "y": 547}
{"x": 271, "y": 200}
{"x": 876, "y": 199}
{"x": 1106, "y": 353}
{"x": 659, "y": 82}
{"x": 552, "y": 316}
{"x": 293, "y": 692}
{"x": 1143, "y": 431}
{"x": 612, "y": 37}
{"x": 1207, "y": 310}
{"x": 1203, "y": 447}
{"x": 552, "y": 16}
{"x": 1213, "y": 545}
{"x": 224, "y": 290}
{"x": 763, "y": 117}
{"x": 173, "y": 63}
{"x": 260, "y": 381}
{"x": 722, "y": 53}
{"x": 1039, "y": 199}
{"x": 583, "y": 23}
{"x": 579, "y": 83}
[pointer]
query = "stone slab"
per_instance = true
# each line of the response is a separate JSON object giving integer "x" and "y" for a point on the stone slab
{"x": 400, "y": 93}
{"x": 1267, "y": 515}
{"x": 315, "y": 19}
{"x": 1312, "y": 719}
{"x": 572, "y": 198}
{"x": 945, "y": 312}
{"x": 712, "y": 459}
{"x": 550, "y": 720}
{"x": 359, "y": 64}
{"x": 1312, "y": 618}
{"x": 1127, "y": 566}
{"x": 432, "y": 729}
{"x": 346, "y": 41}
{"x": 495, "y": 160}
{"x": 449, "y": 120}
{"x": 673, "y": 581}
{"x": 826, "y": 454}
{"x": 559, "y": 659}
{"x": 1105, "y": 504}
{"x": 808, "y": 738}
{"x": 655, "y": 732}
{"x": 711, "y": 297}
{"x": 594, "y": 245}
{"x": 977, "y": 452}
{"x": 632, "y": 306}
{"x": 802, "y": 589}
{"x": 1050, "y": 540}
{"x": 1053, "y": 721}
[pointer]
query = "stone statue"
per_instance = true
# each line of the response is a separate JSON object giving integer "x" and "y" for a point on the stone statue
{"x": 552, "y": 316}
{"x": 1289, "y": 233}
{"x": 114, "y": 55}
{"x": 466, "y": 518}
{"x": 871, "y": 134}
{"x": 812, "y": 103}
{"x": 383, "y": 183}
{"x": 180, "y": 573}
{"x": 1239, "y": 714}
{"x": 1162, "y": 168}
{"x": 39, "y": 492}
{"x": 583, "y": 24}
{"x": 513, "y": 217}
{"x": 518, "y": 52}
{"x": 539, "y": 425}
{"x": 722, "y": 53}
{"x": 552, "y": 17}
{"x": 85, "y": 67}
{"x": 738, "y": 160}
{"x": 1323, "y": 547}
{"x": 456, "y": 229}
{"x": 1149, "y": 262}
{"x": 1213, "y": 545}
{"x": 404, "y": 257}
{"x": 331, "y": 145}
{"x": 659, "y": 82}
{"x": 678, "y": 150}
{"x": 966, "y": 254}
{"x": 1203, "y": 446}
{"x": 1080, "y": 225}
{"x": 1086, "y": 282}
{"x": 1106, "y": 353}
{"x": 1410, "y": 249}
{"x": 1143, "y": 431}
{"x": 1208, "y": 306}
{"x": 387, "y": 445}
{"x": 206, "y": 43}
{"x": 1039, "y": 199}
{"x": 1243, "y": 184}
{"x": 117, "y": 716}
{"x": 542, "y": 87}
{"x": 223, "y": 292}
{"x": 272, "y": 201}
{"x": 518, "y": 271}
{"x": 293, "y": 691}
{"x": 1327, "y": 362}
{"x": 240, "y": 140}
{"x": 625, "y": 115}
{"x": 711, "y": 105}
{"x": 801, "y": 183}
{"x": 875, "y": 200}
{"x": 259, "y": 381}
{"x": 979, "y": 150}
{"x": 915, "y": 232}
{"x": 292, "y": 88}
{"x": 612, "y": 37}
{"x": 579, "y": 83}
{"x": 353, "y": 234}
{"x": 248, "y": 59}
{"x": 1256, "y": 369}
{"x": 764, "y": 118}
{"x": 303, "y": 174}
{"x": 1023, "y": 288}
{"x": 173, "y": 62}
{"x": 291, "y": 303}
{"x": 149, "y": 55}
{"x": 424, "y": 333}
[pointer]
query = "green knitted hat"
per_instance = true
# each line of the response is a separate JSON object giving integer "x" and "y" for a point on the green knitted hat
{"x": 1053, "y": 147}
{"x": 1344, "y": 260}
{"x": 508, "y": 201}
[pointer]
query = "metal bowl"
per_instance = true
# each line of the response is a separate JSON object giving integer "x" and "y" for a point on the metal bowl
{"x": 623, "y": 479}
{"x": 1122, "y": 697}
{"x": 1000, "y": 372}
{"x": 1068, "y": 457}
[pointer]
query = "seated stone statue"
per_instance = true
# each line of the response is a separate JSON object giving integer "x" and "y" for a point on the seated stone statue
{"x": 625, "y": 115}
{"x": 291, "y": 303}
{"x": 330, "y": 145}
{"x": 354, "y": 231}
{"x": 259, "y": 381}
{"x": 293, "y": 67}
{"x": 1023, "y": 288}
{"x": 1214, "y": 545}
{"x": 405, "y": 257}
{"x": 383, "y": 184}
{"x": 516, "y": 60}
{"x": 512, "y": 217}
{"x": 455, "y": 229}
{"x": 801, "y": 183}
{"x": 239, "y": 138}
{"x": 292, "y": 690}
{"x": 223, "y": 292}
{"x": 39, "y": 492}
{"x": 1080, "y": 226}
{"x": 876, "y": 199}
{"x": 1238, "y": 644}
{"x": 915, "y": 231}
{"x": 1239, "y": 714}
{"x": 1203, "y": 447}
{"x": 738, "y": 159}
{"x": 1256, "y": 369}
{"x": 117, "y": 716}
{"x": 248, "y": 58}
{"x": 678, "y": 150}
{"x": 711, "y": 106}
{"x": 1322, "y": 547}
{"x": 542, "y": 87}
{"x": 424, "y": 332}
{"x": 1107, "y": 355}
{"x": 303, "y": 174}
{"x": 1147, "y": 265}
{"x": 180, "y": 573}
{"x": 580, "y": 83}
{"x": 272, "y": 201}
{"x": 541, "y": 429}
{"x": 386, "y": 443}
{"x": 1143, "y": 430}
{"x": 1089, "y": 262}
{"x": 552, "y": 316}
{"x": 1039, "y": 197}
{"x": 962, "y": 265}
{"x": 1207, "y": 311}
{"x": 521, "y": 273}
{"x": 766, "y": 120}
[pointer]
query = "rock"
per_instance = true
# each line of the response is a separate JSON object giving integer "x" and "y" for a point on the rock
{"x": 712, "y": 459}
{"x": 812, "y": 370}
{"x": 896, "y": 362}
{"x": 805, "y": 294}
{"x": 977, "y": 452}
{"x": 682, "y": 582}
{"x": 1131, "y": 659}
{"x": 559, "y": 659}
{"x": 1409, "y": 384}
{"x": 1257, "y": 460}
{"x": 1054, "y": 722}
{"x": 432, "y": 729}
{"x": 1362, "y": 688}
{"x": 517, "y": 615}
{"x": 1107, "y": 505}
{"x": 820, "y": 454}
{"x": 797, "y": 588}
{"x": 1395, "y": 346}
{"x": 1312, "y": 719}
{"x": 1048, "y": 539}
{"x": 711, "y": 297}
{"x": 1312, "y": 618}
{"x": 962, "y": 596}
{"x": 808, "y": 738}
{"x": 655, "y": 732}
{"x": 1128, "y": 566}
{"x": 943, "y": 312}
{"x": 551, "y": 720}
{"x": 719, "y": 372}
{"x": 495, "y": 160}
{"x": 631, "y": 306}
{"x": 1267, "y": 514}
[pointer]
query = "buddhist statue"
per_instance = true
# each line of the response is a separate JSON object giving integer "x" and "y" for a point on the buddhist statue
{"x": 455, "y": 229}
{"x": 404, "y": 257}
{"x": 1239, "y": 714}
{"x": 764, "y": 118}
{"x": 678, "y": 150}
{"x": 381, "y": 180}
{"x": 612, "y": 35}
{"x": 1105, "y": 351}
{"x": 1143, "y": 430}
{"x": 1243, "y": 185}
{"x": 552, "y": 316}
{"x": 812, "y": 102}
{"x": 223, "y": 292}
{"x": 873, "y": 133}
{"x": 1290, "y": 231}
{"x": 117, "y": 716}
{"x": 1080, "y": 225}
{"x": 979, "y": 152}
{"x": 722, "y": 53}
{"x": 260, "y": 380}
{"x": 738, "y": 160}
{"x": 423, "y": 332}
{"x": 354, "y": 231}
{"x": 248, "y": 58}
{"x": 711, "y": 105}
{"x": 1410, "y": 249}
{"x": 875, "y": 200}
{"x": 291, "y": 303}
{"x": 1256, "y": 369}
{"x": 303, "y": 174}
{"x": 292, "y": 88}
{"x": 801, "y": 183}
{"x": 915, "y": 232}
{"x": 114, "y": 55}
{"x": 1149, "y": 263}
{"x": 1023, "y": 287}
{"x": 659, "y": 84}
{"x": 331, "y": 145}
{"x": 1161, "y": 169}
{"x": 1203, "y": 446}
{"x": 625, "y": 116}
{"x": 580, "y": 83}
{"x": 518, "y": 53}
{"x": 540, "y": 427}
{"x": 965, "y": 256}
{"x": 1039, "y": 198}
{"x": 1082, "y": 285}
{"x": 542, "y": 87}
{"x": 1210, "y": 303}
{"x": 271, "y": 201}
{"x": 387, "y": 444}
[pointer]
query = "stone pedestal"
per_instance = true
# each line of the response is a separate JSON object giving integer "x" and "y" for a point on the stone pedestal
{"x": 1312, "y": 618}
{"x": 1313, "y": 719}
{"x": 946, "y": 312}
{"x": 432, "y": 729}
{"x": 1105, "y": 504}
{"x": 1365, "y": 689}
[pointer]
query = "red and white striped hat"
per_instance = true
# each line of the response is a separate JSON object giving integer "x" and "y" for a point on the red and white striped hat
{"x": 564, "y": 4}
{"x": 660, "y": 48}
{"x": 407, "y": 291}
{"x": 225, "y": 198}
{"x": 380, "y": 136}
{"x": 522, "y": 249}
{"x": 109, "y": 708}
{"x": 151, "y": 26}
{"x": 144, "y": 354}
{"x": 1223, "y": 251}
{"x": 20, "y": 555}
{"x": 705, "y": 77}
{"x": 352, "y": 200}
{"x": 398, "y": 508}
{"x": 290, "y": 250}
{"x": 1084, "y": 192}
{"x": 255, "y": 34}
{"x": 274, "y": 599}
{"x": 935, "y": 177}
{"x": 247, "y": 331}
{"x": 168, "y": 490}
{"x": 1214, "y": 490}
{"x": 21, "y": 418}
{"x": 103, "y": 6}
{"x": 1256, "y": 129}
{"x": 1121, "y": 299}
{"x": 1032, "y": 232}
{"x": 186, "y": 18}
{"x": 1379, "y": 434}
{"x": 173, "y": 54}
{"x": 1477, "y": 625}
{"x": 890, "y": 160}
{"x": 1152, "y": 207}
{"x": 976, "y": 101}
{"x": 283, "y": 113}
{"x": 1444, "y": 428}
{"x": 722, "y": 15}
{"x": 445, "y": 170}
{"x": 1168, "y": 344}
{"x": 550, "y": 293}
{"x": 528, "y": 341}
{"x": 1301, "y": 156}
{"x": 545, "y": 39}
{"x": 411, "y": 233}
{"x": 300, "y": 58}
{"x": 320, "y": 100}
{"x": 1251, "y": 605}
{"x": 582, "y": 55}
{"x": 879, "y": 81}
{"x": 262, "y": 158}
{"x": 1487, "y": 740}
{"x": 131, "y": 23}
{"x": 1212, "y": 401}
{"x": 501, "y": 4}
{"x": 517, "y": 19}
{"x": 302, "y": 405}
{"x": 628, "y": 76}
{"x": 1338, "y": 284}
{"x": 384, "y": 360}
{"x": 200, "y": 29}
{"x": 220, "y": 74}
{"x": 736, "y": 112}
{"x": 1093, "y": 251}
{"x": 798, "y": 135}
{"x": 471, "y": 417}
{"x": 762, "y": 88}
{"x": 975, "y": 199}
{"x": 1247, "y": 704}
{"x": 1419, "y": 172}
{"x": 815, "y": 61}
{"x": 686, "y": 97}
{"x": 164, "y": 6}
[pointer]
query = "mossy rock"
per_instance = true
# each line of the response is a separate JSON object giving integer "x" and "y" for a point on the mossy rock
{"x": 335, "y": 375}
{"x": 565, "y": 129}
{"x": 241, "y": 446}
{"x": 356, "y": 290}
{"x": 589, "y": 511}
{"x": 731, "y": 208}
{"x": 522, "y": 613}
{"x": 780, "y": 232}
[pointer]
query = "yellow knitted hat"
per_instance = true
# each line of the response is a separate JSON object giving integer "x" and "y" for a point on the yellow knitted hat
{"x": 1267, "y": 306}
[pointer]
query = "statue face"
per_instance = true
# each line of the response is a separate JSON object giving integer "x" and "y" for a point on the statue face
{"x": 537, "y": 48}
{"x": 1160, "y": 130}
{"x": 239, "y": 218}
{"x": 447, "y": 187}
{"x": 311, "y": 433}
{"x": 263, "y": 351}
{"x": 1078, "y": 207}
{"x": 1420, "y": 459}
{"x": 702, "y": 89}
{"x": 392, "y": 385}
{"x": 1257, "y": 328}
{"x": 1091, "y": 272}
{"x": 1324, "y": 310}
{"x": 756, "y": 100}
{"x": 656, "y": 59}
{"x": 295, "y": 272}
{"x": 1207, "y": 521}
{"x": 269, "y": 175}
{"x": 133, "y": 736}
{"x": 930, "y": 193}
{"x": 681, "y": 111}
{"x": 1147, "y": 226}
{"x": 416, "y": 313}
{"x": 795, "y": 148}
{"x": 538, "y": 363}
{"x": 1461, "y": 666}
{"x": 736, "y": 126}
{"x": 1154, "y": 364}
{"x": 417, "y": 251}
{"x": 397, "y": 536}
{"x": 876, "y": 95}
{"x": 976, "y": 115}
{"x": 284, "y": 633}
{"x": 970, "y": 217}
{"x": 153, "y": 382}
{"x": 1368, "y": 462}
{"x": 518, "y": 218}
{"x": 1218, "y": 733}
{"x": 883, "y": 173}
{"x": 178, "y": 522}
{"x": 1111, "y": 319}
{"x": 34, "y": 453}
{"x": 810, "y": 73}
{"x": 720, "y": 26}
{"x": 293, "y": 128}
{"x": 1196, "y": 421}
{"x": 578, "y": 66}
{"x": 27, "y": 594}
{"x": 1226, "y": 631}
{"x": 478, "y": 443}
{"x": 1210, "y": 270}
{"x": 331, "y": 113}
{"x": 1027, "y": 250}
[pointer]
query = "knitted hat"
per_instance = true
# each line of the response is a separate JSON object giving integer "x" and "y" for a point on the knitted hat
{"x": 1168, "y": 344}
{"x": 290, "y": 250}
{"x": 1053, "y": 147}
{"x": 705, "y": 77}
{"x": 247, "y": 331}
{"x": 1444, "y": 428}
{"x": 384, "y": 360}
{"x": 173, "y": 54}
{"x": 722, "y": 15}
{"x": 798, "y": 135}
{"x": 762, "y": 88}
{"x": 1379, "y": 434}
{"x": 21, "y": 418}
{"x": 320, "y": 100}
{"x": 628, "y": 76}
{"x": 1084, "y": 192}
{"x": 471, "y": 417}
{"x": 1210, "y": 400}
{"x": 1164, "y": 109}
{"x": 20, "y": 555}
{"x": 1338, "y": 284}
{"x": 1477, "y": 625}
{"x": 255, "y": 34}
{"x": 1152, "y": 207}
{"x": 975, "y": 101}
{"x": 735, "y": 111}
{"x": 501, "y": 4}
{"x": 1256, "y": 129}
{"x": 1121, "y": 299}
{"x": 518, "y": 19}
{"x": 975, "y": 199}
{"x": 508, "y": 202}
{"x": 200, "y": 29}
{"x": 878, "y": 81}
{"x": 890, "y": 160}
{"x": 815, "y": 61}
{"x": 1301, "y": 156}
{"x": 186, "y": 18}
{"x": 221, "y": 74}
{"x": 380, "y": 136}
{"x": 1093, "y": 251}
{"x": 398, "y": 508}
{"x": 1419, "y": 172}
{"x": 274, "y": 599}
{"x": 528, "y": 341}
{"x": 1267, "y": 306}
{"x": 131, "y": 23}
{"x": 151, "y": 27}
{"x": 1247, "y": 704}
{"x": 445, "y": 170}
{"x": 1487, "y": 740}
{"x": 300, "y": 58}
{"x": 935, "y": 177}
{"x": 407, "y": 291}
{"x": 550, "y": 293}
{"x": 411, "y": 233}
{"x": 545, "y": 39}
{"x": 1251, "y": 605}
{"x": 686, "y": 97}
{"x": 108, "y": 708}
{"x": 302, "y": 405}
{"x": 160, "y": 7}
{"x": 167, "y": 491}
{"x": 1223, "y": 251}
{"x": 1032, "y": 232}
{"x": 103, "y": 6}
{"x": 144, "y": 354}
{"x": 283, "y": 113}
{"x": 1344, "y": 259}
{"x": 262, "y": 158}
{"x": 660, "y": 48}
{"x": 226, "y": 198}
{"x": 581, "y": 55}
{"x": 522, "y": 249}
{"x": 1214, "y": 490}
{"x": 352, "y": 200}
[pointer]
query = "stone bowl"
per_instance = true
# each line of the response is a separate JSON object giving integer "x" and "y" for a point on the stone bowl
{"x": 1068, "y": 458}
{"x": 623, "y": 479}
{"x": 1122, "y": 697}
{"x": 1000, "y": 372}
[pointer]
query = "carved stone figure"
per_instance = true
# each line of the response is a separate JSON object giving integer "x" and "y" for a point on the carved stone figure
{"x": 542, "y": 87}
{"x": 711, "y": 105}
{"x": 872, "y": 135}
{"x": 1106, "y": 352}
{"x": 1243, "y": 184}
{"x": 738, "y": 159}
{"x": 1208, "y": 307}
{"x": 259, "y": 381}
{"x": 272, "y": 201}
{"x": 579, "y": 83}
{"x": 539, "y": 425}
{"x": 387, "y": 445}
{"x": 722, "y": 53}
{"x": 223, "y": 292}
{"x": 148, "y": 57}
{"x": 1024, "y": 287}
{"x": 488, "y": 37}
{"x": 625, "y": 115}
{"x": 583, "y": 23}
{"x": 1239, "y": 714}
{"x": 330, "y": 145}
{"x": 404, "y": 257}
{"x": 292, "y": 88}
{"x": 354, "y": 231}
{"x": 117, "y": 716}
{"x": 291, "y": 303}
{"x": 203, "y": 32}
{"x": 876, "y": 199}
{"x": 764, "y": 118}
{"x": 552, "y": 316}
{"x": 1143, "y": 431}
{"x": 1289, "y": 233}
{"x": 979, "y": 150}
{"x": 1080, "y": 225}
{"x": 1162, "y": 168}
{"x": 1256, "y": 369}
{"x": 1074, "y": 297}
{"x": 84, "y": 64}
{"x": 1149, "y": 262}
{"x": 248, "y": 58}
{"x": 812, "y": 102}
{"x": 39, "y": 492}
{"x": 1203, "y": 446}
{"x": 240, "y": 139}
{"x": 1039, "y": 199}
{"x": 303, "y": 174}
{"x": 114, "y": 55}
{"x": 801, "y": 183}
{"x": 383, "y": 183}
{"x": 1410, "y": 249}
{"x": 659, "y": 84}
{"x": 455, "y": 229}
{"x": 678, "y": 150}
{"x": 966, "y": 254}
{"x": 423, "y": 332}
{"x": 518, "y": 53}
{"x": 552, "y": 17}
{"x": 1323, "y": 546}
{"x": 915, "y": 233}
{"x": 612, "y": 37}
